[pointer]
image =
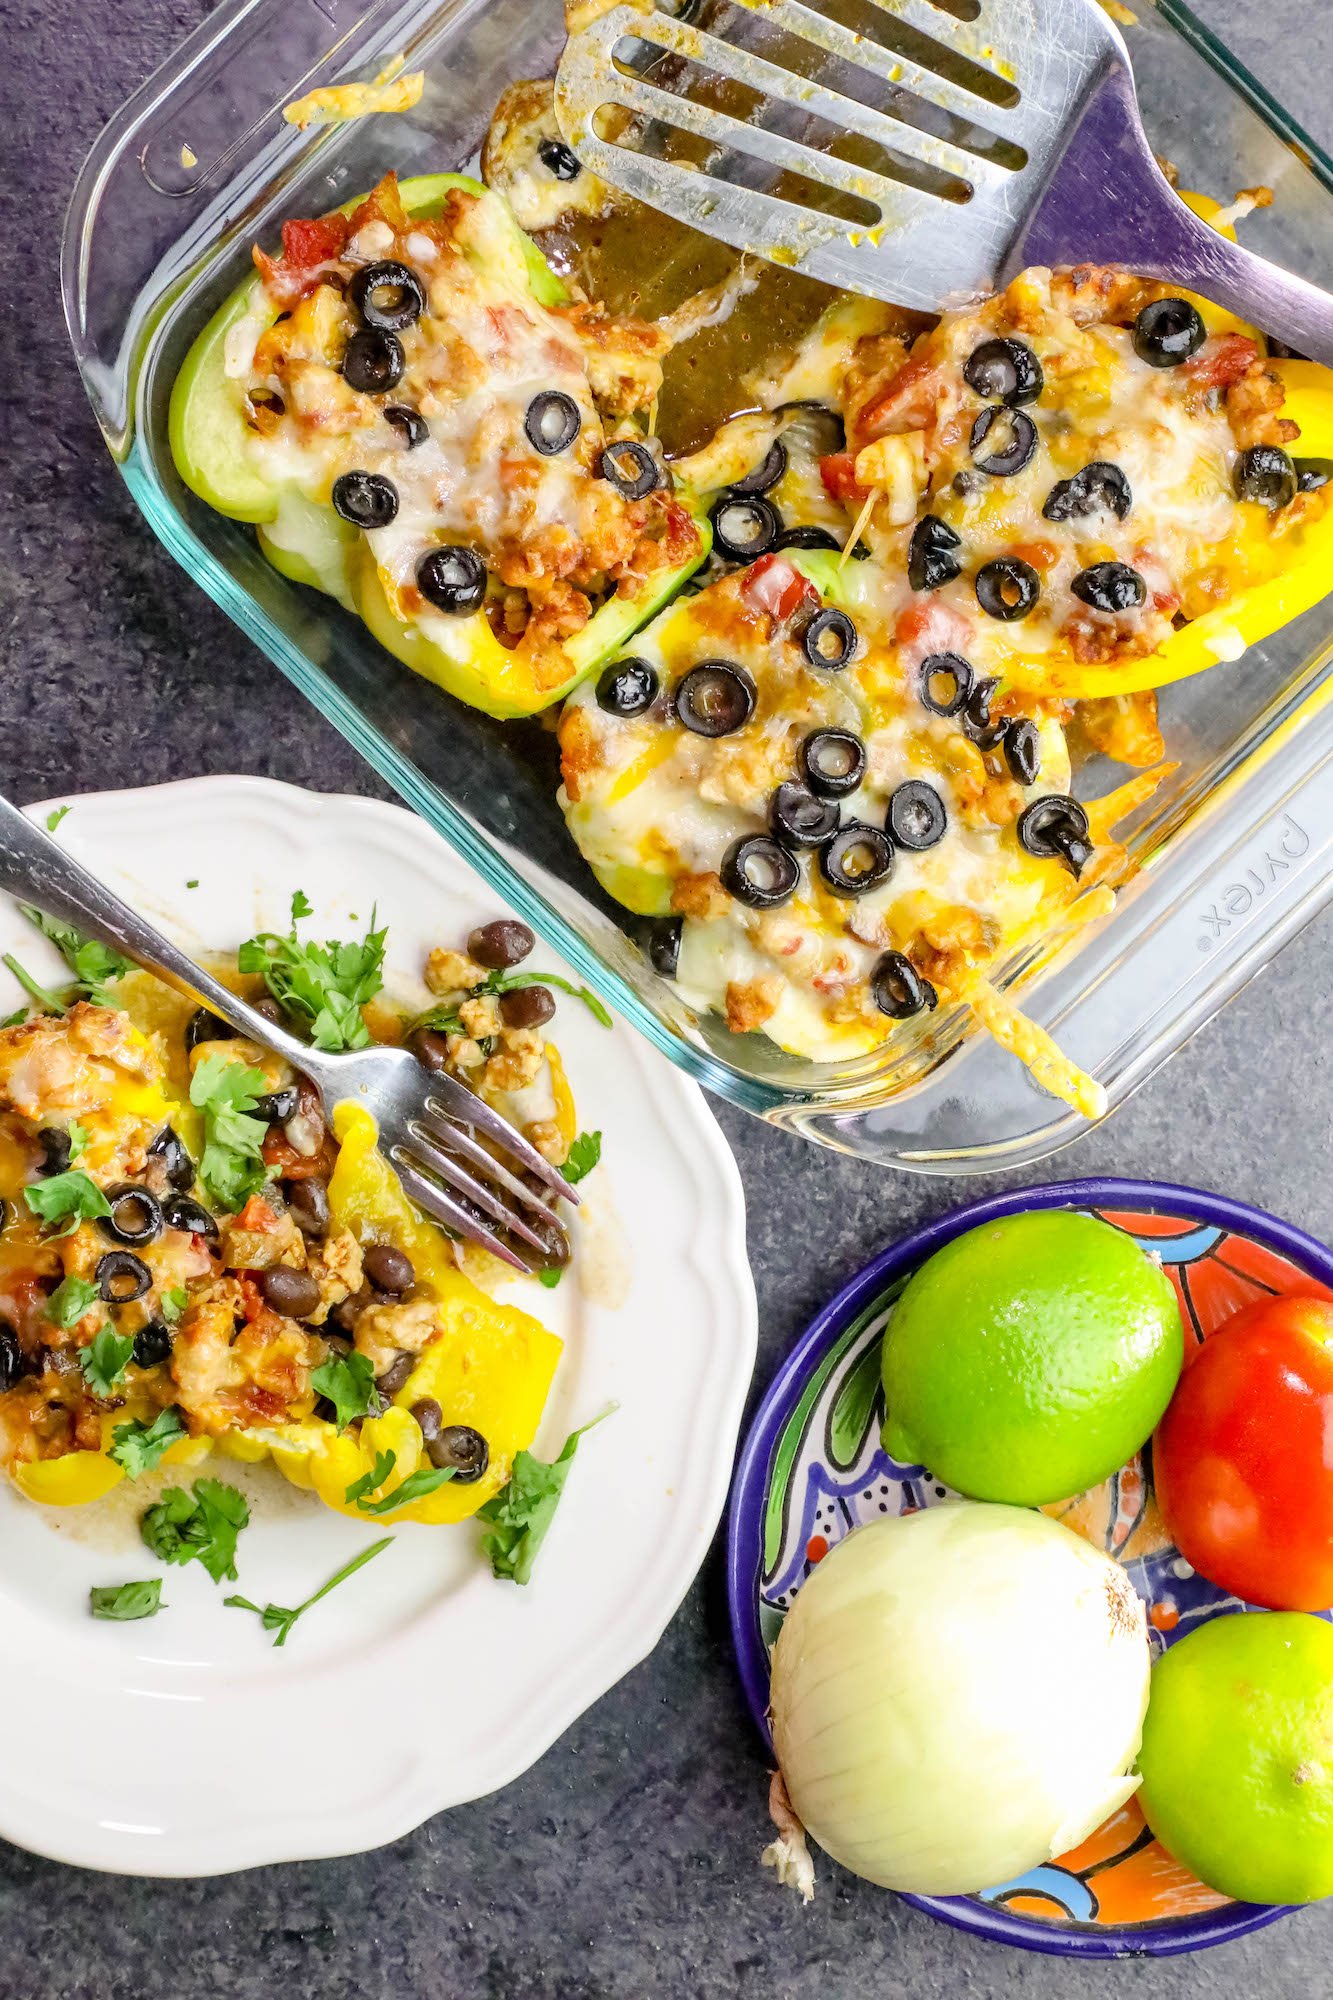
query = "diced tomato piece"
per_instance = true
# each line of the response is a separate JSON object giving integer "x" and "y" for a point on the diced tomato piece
{"x": 774, "y": 586}
{"x": 1223, "y": 360}
{"x": 307, "y": 244}
{"x": 838, "y": 472}
{"x": 256, "y": 1215}
{"x": 931, "y": 626}
{"x": 907, "y": 402}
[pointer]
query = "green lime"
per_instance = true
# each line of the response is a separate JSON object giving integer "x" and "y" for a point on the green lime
{"x": 1237, "y": 1756}
{"x": 1027, "y": 1360}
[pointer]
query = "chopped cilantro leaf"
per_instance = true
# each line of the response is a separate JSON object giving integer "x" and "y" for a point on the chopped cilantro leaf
{"x": 78, "y": 1140}
{"x": 550, "y": 1278}
{"x": 107, "y": 1355}
{"x": 12, "y": 1020}
{"x": 522, "y": 1511}
{"x": 301, "y": 906}
{"x": 126, "y": 1600}
{"x": 48, "y": 1001}
{"x": 138, "y": 1448}
{"x": 93, "y": 964}
{"x": 361, "y": 1488}
{"x": 70, "y": 1300}
{"x": 70, "y": 1198}
{"x": 204, "y": 1529}
{"x": 278, "y": 1619}
{"x": 174, "y": 1303}
{"x": 324, "y": 986}
{"x": 584, "y": 1154}
{"x": 193, "y": 882}
{"x": 232, "y": 1167}
{"x": 54, "y": 817}
{"x": 349, "y": 1383}
{"x": 426, "y": 1479}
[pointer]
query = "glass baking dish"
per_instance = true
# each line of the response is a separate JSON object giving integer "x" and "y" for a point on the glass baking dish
{"x": 1234, "y": 853}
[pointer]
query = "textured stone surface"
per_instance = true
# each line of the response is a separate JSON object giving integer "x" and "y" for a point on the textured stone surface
{"x": 625, "y": 1864}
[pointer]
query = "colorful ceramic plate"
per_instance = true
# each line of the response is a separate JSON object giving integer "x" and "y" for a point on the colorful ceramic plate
{"x": 208, "y": 1748}
{"x": 812, "y": 1469}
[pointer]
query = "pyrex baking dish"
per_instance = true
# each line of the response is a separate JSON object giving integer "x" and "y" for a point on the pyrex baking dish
{"x": 1235, "y": 851}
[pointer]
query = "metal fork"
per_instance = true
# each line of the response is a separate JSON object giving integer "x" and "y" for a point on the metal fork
{"x": 435, "y": 1133}
{"x": 961, "y": 140}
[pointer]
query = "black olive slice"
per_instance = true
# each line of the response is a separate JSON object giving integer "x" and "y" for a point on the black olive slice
{"x": 57, "y": 1149}
{"x": 136, "y": 1214}
{"x": 1100, "y": 484}
{"x": 1110, "y": 586}
{"x": 932, "y": 554}
{"x": 745, "y": 526}
{"x": 1007, "y": 588}
{"x": 627, "y": 687}
{"x": 559, "y": 159}
{"x": 277, "y": 1106}
{"x": 553, "y": 422}
{"x": 410, "y": 424}
{"x": 757, "y": 870}
{"x": 663, "y": 941}
{"x": 1167, "y": 332}
{"x": 978, "y": 725}
{"x": 1312, "y": 473}
{"x": 1265, "y": 473}
{"x": 1004, "y": 371}
{"x": 715, "y": 698}
{"x": 1002, "y": 441}
{"x": 829, "y": 640}
{"x": 366, "y": 499}
{"x": 898, "y": 990}
{"x": 916, "y": 817}
{"x": 388, "y": 296}
{"x": 630, "y": 467}
{"x": 373, "y": 361}
{"x": 944, "y": 683}
{"x": 1055, "y": 828}
{"x": 798, "y": 817}
{"x": 859, "y": 857}
{"x": 1022, "y": 750}
{"x": 765, "y": 476}
{"x": 205, "y": 1027}
{"x": 122, "y": 1277}
{"x": 808, "y": 538}
{"x": 13, "y": 1361}
{"x": 153, "y": 1343}
{"x": 832, "y": 762}
{"x": 453, "y": 579}
{"x": 182, "y": 1211}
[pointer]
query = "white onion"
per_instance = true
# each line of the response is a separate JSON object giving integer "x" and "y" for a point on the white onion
{"x": 958, "y": 1695}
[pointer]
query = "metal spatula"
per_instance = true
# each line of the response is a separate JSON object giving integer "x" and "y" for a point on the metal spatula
{"x": 921, "y": 151}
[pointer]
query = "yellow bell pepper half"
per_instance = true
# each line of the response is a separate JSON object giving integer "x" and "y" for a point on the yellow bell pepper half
{"x": 78, "y": 1477}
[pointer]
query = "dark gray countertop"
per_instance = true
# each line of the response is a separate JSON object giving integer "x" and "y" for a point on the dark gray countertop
{"x": 626, "y": 1863}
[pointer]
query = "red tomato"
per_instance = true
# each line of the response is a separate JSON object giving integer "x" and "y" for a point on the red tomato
{"x": 838, "y": 472}
{"x": 1243, "y": 1458}
{"x": 777, "y": 587}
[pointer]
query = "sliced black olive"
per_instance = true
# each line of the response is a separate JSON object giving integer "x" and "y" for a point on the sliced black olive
{"x": 501, "y": 945}
{"x": 553, "y": 422}
{"x": 978, "y": 725}
{"x": 1266, "y": 474}
{"x": 169, "y": 1148}
{"x": 153, "y": 1343}
{"x": 1094, "y": 486}
{"x": 765, "y": 476}
{"x": 366, "y": 499}
{"x": 388, "y": 296}
{"x": 745, "y": 526}
{"x": 1011, "y": 446}
{"x": 410, "y": 423}
{"x": 459, "y": 1448}
{"x": 182, "y": 1211}
{"x": 832, "y": 762}
{"x": 559, "y": 159}
{"x": 205, "y": 1027}
{"x": 627, "y": 687}
{"x": 715, "y": 698}
{"x": 816, "y": 427}
{"x": 1004, "y": 371}
{"x": 1007, "y": 588}
{"x": 275, "y": 1107}
{"x": 808, "y": 538}
{"x": 389, "y": 1270}
{"x": 1022, "y": 750}
{"x": 308, "y": 1205}
{"x": 897, "y": 988}
{"x": 944, "y": 682}
{"x": 858, "y": 858}
{"x": 663, "y": 945}
{"x": 13, "y": 1361}
{"x": 1109, "y": 586}
{"x": 916, "y": 818}
{"x": 56, "y": 1147}
{"x": 136, "y": 1214}
{"x": 1312, "y": 473}
{"x": 294, "y": 1294}
{"x": 630, "y": 467}
{"x": 121, "y": 1277}
{"x": 373, "y": 361}
{"x": 799, "y": 818}
{"x": 757, "y": 870}
{"x": 6, "y": 1212}
{"x": 932, "y": 554}
{"x": 453, "y": 579}
{"x": 1055, "y": 828}
{"x": 829, "y": 640}
{"x": 1167, "y": 332}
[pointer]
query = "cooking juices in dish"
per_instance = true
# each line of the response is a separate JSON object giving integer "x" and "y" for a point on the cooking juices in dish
{"x": 948, "y": 565}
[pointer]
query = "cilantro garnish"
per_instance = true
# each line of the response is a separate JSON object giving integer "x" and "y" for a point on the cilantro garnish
{"x": 70, "y": 1198}
{"x": 93, "y": 964}
{"x": 359, "y": 1489}
{"x": 324, "y": 986}
{"x": 584, "y": 1154}
{"x": 78, "y": 1140}
{"x": 70, "y": 1300}
{"x": 173, "y": 1303}
{"x": 54, "y": 817}
{"x": 349, "y": 1383}
{"x": 448, "y": 1021}
{"x": 19, "y": 1014}
{"x": 204, "y": 1529}
{"x": 48, "y": 1001}
{"x": 232, "y": 1167}
{"x": 415, "y": 1487}
{"x": 106, "y": 1357}
{"x": 126, "y": 1600}
{"x": 278, "y": 1619}
{"x": 138, "y": 1448}
{"x": 522, "y": 1511}
{"x": 550, "y": 1278}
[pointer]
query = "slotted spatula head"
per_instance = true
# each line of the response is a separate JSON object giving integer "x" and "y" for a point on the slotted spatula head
{"x": 921, "y": 151}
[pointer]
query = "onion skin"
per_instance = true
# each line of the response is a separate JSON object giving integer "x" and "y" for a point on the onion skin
{"x": 958, "y": 1695}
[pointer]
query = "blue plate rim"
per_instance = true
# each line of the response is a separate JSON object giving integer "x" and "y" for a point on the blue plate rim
{"x": 749, "y": 1489}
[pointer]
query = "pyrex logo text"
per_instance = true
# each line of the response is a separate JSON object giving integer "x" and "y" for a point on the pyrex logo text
{"x": 1238, "y": 898}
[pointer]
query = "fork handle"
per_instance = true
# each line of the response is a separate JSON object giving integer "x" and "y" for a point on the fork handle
{"x": 1108, "y": 202}
{"x": 34, "y": 869}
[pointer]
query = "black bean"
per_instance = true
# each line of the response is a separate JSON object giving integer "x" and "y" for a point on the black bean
{"x": 430, "y": 1049}
{"x": 500, "y": 945}
{"x": 461, "y": 1449}
{"x": 290, "y": 1292}
{"x": 527, "y": 1007}
{"x": 389, "y": 1270}
{"x": 429, "y": 1417}
{"x": 308, "y": 1205}
{"x": 396, "y": 1374}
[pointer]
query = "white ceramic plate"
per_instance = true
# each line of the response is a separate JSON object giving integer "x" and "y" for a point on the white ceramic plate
{"x": 190, "y": 1745}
